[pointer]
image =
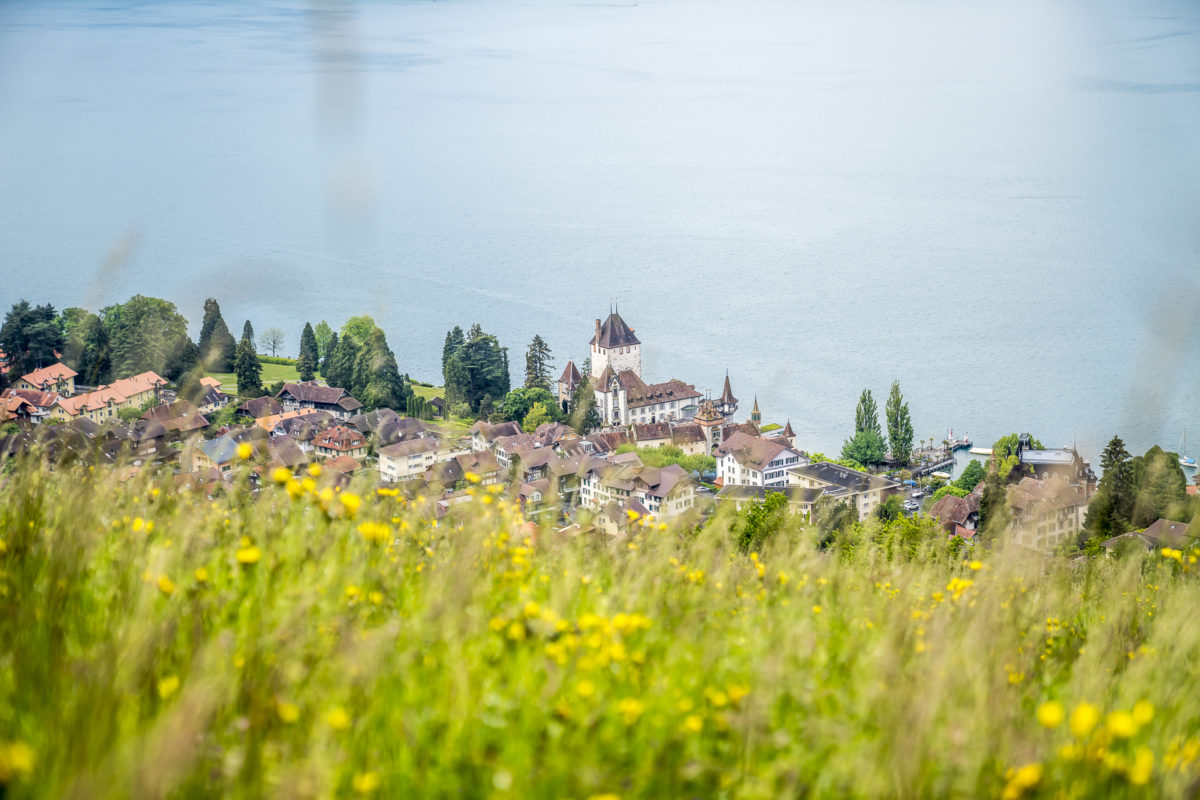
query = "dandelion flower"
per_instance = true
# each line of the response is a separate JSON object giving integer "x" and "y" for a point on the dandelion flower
{"x": 1083, "y": 719}
{"x": 1143, "y": 712}
{"x": 314, "y": 470}
{"x": 244, "y": 451}
{"x": 351, "y": 502}
{"x": 630, "y": 709}
{"x": 365, "y": 782}
{"x": 287, "y": 712}
{"x": 1050, "y": 714}
{"x": 249, "y": 555}
{"x": 281, "y": 474}
{"x": 165, "y": 585}
{"x": 201, "y": 575}
{"x": 1143, "y": 767}
{"x": 585, "y": 689}
{"x": 338, "y": 719}
{"x": 1121, "y": 725}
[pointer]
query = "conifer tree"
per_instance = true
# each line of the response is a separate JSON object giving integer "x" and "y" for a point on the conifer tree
{"x": 306, "y": 364}
{"x": 217, "y": 346}
{"x": 537, "y": 364}
{"x": 330, "y": 349}
{"x": 866, "y": 415}
{"x": 454, "y": 342}
{"x": 323, "y": 333}
{"x": 900, "y": 427}
{"x": 248, "y": 370}
{"x": 248, "y": 333}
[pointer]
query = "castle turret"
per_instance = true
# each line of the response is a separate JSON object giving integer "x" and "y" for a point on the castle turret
{"x": 727, "y": 403}
{"x": 614, "y": 345}
{"x": 755, "y": 414}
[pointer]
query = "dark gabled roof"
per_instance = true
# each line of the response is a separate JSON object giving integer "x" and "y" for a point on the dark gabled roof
{"x": 491, "y": 432}
{"x": 752, "y": 451}
{"x": 340, "y": 437}
{"x": 688, "y": 433}
{"x": 851, "y": 480}
{"x": 261, "y": 407}
{"x": 285, "y": 451}
{"x": 313, "y": 392}
{"x": 651, "y": 431}
{"x": 615, "y": 333}
{"x": 409, "y": 448}
{"x": 570, "y": 375}
{"x": 748, "y": 428}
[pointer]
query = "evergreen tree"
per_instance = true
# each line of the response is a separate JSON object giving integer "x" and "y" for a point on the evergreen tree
{"x": 1159, "y": 488}
{"x": 537, "y": 364}
{"x": 457, "y": 381}
{"x": 216, "y": 345}
{"x": 30, "y": 336}
{"x": 148, "y": 334}
{"x": 866, "y": 415}
{"x": 306, "y": 364}
{"x": 306, "y": 368}
{"x": 971, "y": 475}
{"x": 248, "y": 333}
{"x": 341, "y": 372}
{"x": 454, "y": 342}
{"x": 900, "y": 427}
{"x": 486, "y": 406}
{"x": 248, "y": 370}
{"x": 327, "y": 362}
{"x": 1110, "y": 510}
{"x": 582, "y": 413}
{"x": 505, "y": 379}
{"x": 378, "y": 378}
{"x": 866, "y": 447}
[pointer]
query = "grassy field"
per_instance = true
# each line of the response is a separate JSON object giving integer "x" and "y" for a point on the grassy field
{"x": 306, "y": 643}
{"x": 270, "y": 374}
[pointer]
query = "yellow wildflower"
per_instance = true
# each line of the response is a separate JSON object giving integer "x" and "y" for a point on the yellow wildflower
{"x": 338, "y": 719}
{"x": 16, "y": 758}
{"x": 365, "y": 782}
{"x": 165, "y": 585}
{"x": 585, "y": 689}
{"x": 1143, "y": 712}
{"x": 167, "y": 686}
{"x": 351, "y": 502}
{"x": 975, "y": 566}
{"x": 631, "y": 709}
{"x": 201, "y": 575}
{"x": 816, "y": 609}
{"x": 244, "y": 451}
{"x": 314, "y": 470}
{"x": 249, "y": 555}
{"x": 1120, "y": 724}
{"x": 693, "y": 723}
{"x": 374, "y": 532}
{"x": 1021, "y": 779}
{"x": 281, "y": 474}
{"x": 472, "y": 477}
{"x": 1143, "y": 767}
{"x": 1050, "y": 714}
{"x": 287, "y": 712}
{"x": 1083, "y": 719}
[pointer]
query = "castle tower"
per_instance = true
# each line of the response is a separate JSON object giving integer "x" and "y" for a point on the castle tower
{"x": 614, "y": 345}
{"x": 727, "y": 404}
{"x": 755, "y": 414}
{"x": 710, "y": 421}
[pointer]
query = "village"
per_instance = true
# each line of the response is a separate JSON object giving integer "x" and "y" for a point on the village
{"x": 595, "y": 483}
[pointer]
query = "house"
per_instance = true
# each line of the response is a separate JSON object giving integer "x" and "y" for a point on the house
{"x": 652, "y": 434}
{"x": 744, "y": 460}
{"x": 483, "y": 464}
{"x": 311, "y": 394}
{"x": 862, "y": 491}
{"x": 140, "y": 440}
{"x": 384, "y": 426}
{"x": 57, "y": 378}
{"x": 304, "y": 428}
{"x": 665, "y": 492}
{"x": 689, "y": 437}
{"x": 568, "y": 382}
{"x": 180, "y": 419}
{"x": 340, "y": 441}
{"x": 506, "y": 448}
{"x": 551, "y": 434}
{"x": 748, "y": 428}
{"x": 1162, "y": 533}
{"x": 800, "y": 500}
{"x": 535, "y": 497}
{"x": 271, "y": 423}
{"x": 622, "y": 397}
{"x": 1063, "y": 462}
{"x": 1046, "y": 513}
{"x": 607, "y": 441}
{"x": 104, "y": 402}
{"x": 438, "y": 405}
{"x": 408, "y": 459}
{"x": 26, "y": 405}
{"x": 218, "y": 454}
{"x": 263, "y": 406}
{"x": 483, "y": 434}
{"x": 959, "y": 516}
{"x": 212, "y": 401}
{"x": 286, "y": 452}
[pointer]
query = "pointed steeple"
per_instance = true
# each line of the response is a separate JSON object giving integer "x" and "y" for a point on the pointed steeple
{"x": 755, "y": 414}
{"x": 787, "y": 430}
{"x": 727, "y": 397}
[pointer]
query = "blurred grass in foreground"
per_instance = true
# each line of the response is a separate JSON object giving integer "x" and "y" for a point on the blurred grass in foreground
{"x": 308, "y": 643}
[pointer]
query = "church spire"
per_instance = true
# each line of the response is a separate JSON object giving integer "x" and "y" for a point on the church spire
{"x": 755, "y": 414}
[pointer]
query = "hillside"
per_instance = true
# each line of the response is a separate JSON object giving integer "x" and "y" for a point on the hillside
{"x": 306, "y": 642}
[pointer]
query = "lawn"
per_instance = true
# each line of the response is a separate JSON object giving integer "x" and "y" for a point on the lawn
{"x": 270, "y": 374}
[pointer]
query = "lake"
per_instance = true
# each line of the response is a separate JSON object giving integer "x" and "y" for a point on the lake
{"x": 997, "y": 204}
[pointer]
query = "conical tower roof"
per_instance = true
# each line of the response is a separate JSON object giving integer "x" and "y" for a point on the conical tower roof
{"x": 727, "y": 397}
{"x": 614, "y": 333}
{"x": 787, "y": 429}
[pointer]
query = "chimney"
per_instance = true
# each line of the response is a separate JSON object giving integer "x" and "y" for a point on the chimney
{"x": 597, "y": 327}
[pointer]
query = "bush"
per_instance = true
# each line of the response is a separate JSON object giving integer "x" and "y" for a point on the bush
{"x": 949, "y": 489}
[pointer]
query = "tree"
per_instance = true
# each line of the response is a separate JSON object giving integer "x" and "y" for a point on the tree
{"x": 340, "y": 372}
{"x": 272, "y": 340}
{"x": 486, "y": 406}
{"x": 323, "y": 334}
{"x": 994, "y": 514}
{"x": 378, "y": 383}
{"x": 454, "y": 342}
{"x": 248, "y": 370}
{"x": 327, "y": 361}
{"x": 216, "y": 344}
{"x": 865, "y": 447}
{"x": 866, "y": 415}
{"x": 759, "y": 520}
{"x": 31, "y": 336}
{"x": 1111, "y": 508}
{"x": 306, "y": 365}
{"x": 581, "y": 411}
{"x": 517, "y": 403}
{"x": 537, "y": 364}
{"x": 900, "y": 427}
{"x": 538, "y": 415}
{"x": 87, "y": 350}
{"x": 890, "y": 509}
{"x": 481, "y": 369}
{"x": 148, "y": 334}
{"x": 950, "y": 489}
{"x": 1159, "y": 488}
{"x": 359, "y": 328}
{"x": 972, "y": 474}
{"x": 457, "y": 381}
{"x": 248, "y": 333}
{"x": 1005, "y": 452}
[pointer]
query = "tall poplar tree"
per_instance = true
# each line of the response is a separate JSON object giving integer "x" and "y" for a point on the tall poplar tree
{"x": 307, "y": 363}
{"x": 327, "y": 361}
{"x": 217, "y": 345}
{"x": 900, "y": 427}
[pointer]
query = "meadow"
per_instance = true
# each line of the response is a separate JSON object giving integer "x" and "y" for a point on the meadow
{"x": 302, "y": 641}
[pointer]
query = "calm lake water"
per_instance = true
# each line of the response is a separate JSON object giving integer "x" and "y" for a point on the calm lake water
{"x": 997, "y": 204}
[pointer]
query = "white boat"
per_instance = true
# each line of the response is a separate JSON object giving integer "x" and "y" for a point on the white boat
{"x": 1184, "y": 461}
{"x": 980, "y": 451}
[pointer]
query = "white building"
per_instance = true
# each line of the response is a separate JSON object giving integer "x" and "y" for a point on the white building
{"x": 665, "y": 492}
{"x": 744, "y": 460}
{"x": 861, "y": 491}
{"x": 405, "y": 460}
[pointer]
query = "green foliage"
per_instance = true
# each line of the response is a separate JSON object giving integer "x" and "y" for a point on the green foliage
{"x": 378, "y": 382}
{"x": 145, "y": 334}
{"x": 845, "y": 462}
{"x": 671, "y": 454}
{"x": 1004, "y": 452}
{"x": 358, "y": 328}
{"x": 949, "y": 489}
{"x": 30, "y": 337}
{"x": 866, "y": 447}
{"x": 248, "y": 370}
{"x": 971, "y": 475}
{"x": 340, "y": 371}
{"x": 537, "y": 364}
{"x": 866, "y": 415}
{"x": 310, "y": 357}
{"x": 477, "y": 368}
{"x": 900, "y": 427}
{"x": 1110, "y": 511}
{"x": 517, "y": 403}
{"x": 890, "y": 509}
{"x": 216, "y": 344}
{"x": 323, "y": 334}
{"x": 87, "y": 349}
{"x": 248, "y": 333}
{"x": 759, "y": 520}
{"x": 129, "y": 414}
{"x": 306, "y": 368}
{"x": 330, "y": 354}
{"x": 538, "y": 415}
{"x": 1159, "y": 488}
{"x": 581, "y": 411}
